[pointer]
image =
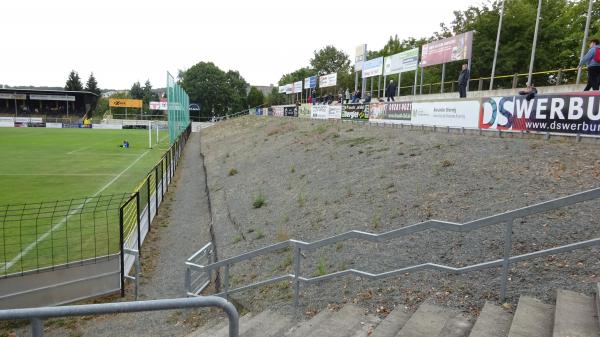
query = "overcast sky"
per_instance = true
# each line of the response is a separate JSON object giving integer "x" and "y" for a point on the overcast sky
{"x": 132, "y": 40}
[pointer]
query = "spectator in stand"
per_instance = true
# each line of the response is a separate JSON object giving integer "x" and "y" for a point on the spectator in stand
{"x": 592, "y": 61}
{"x": 390, "y": 91}
{"x": 347, "y": 96}
{"x": 309, "y": 100}
{"x": 463, "y": 80}
{"x": 356, "y": 98}
{"x": 529, "y": 93}
{"x": 368, "y": 98}
{"x": 313, "y": 94}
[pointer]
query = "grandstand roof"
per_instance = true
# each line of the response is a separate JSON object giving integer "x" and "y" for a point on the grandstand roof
{"x": 46, "y": 91}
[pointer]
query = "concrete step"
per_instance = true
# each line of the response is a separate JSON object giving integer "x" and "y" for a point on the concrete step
{"x": 427, "y": 321}
{"x": 575, "y": 315}
{"x": 493, "y": 321}
{"x": 457, "y": 326}
{"x": 390, "y": 326}
{"x": 267, "y": 324}
{"x": 366, "y": 327}
{"x": 304, "y": 328}
{"x": 343, "y": 323}
{"x": 220, "y": 329}
{"x": 532, "y": 319}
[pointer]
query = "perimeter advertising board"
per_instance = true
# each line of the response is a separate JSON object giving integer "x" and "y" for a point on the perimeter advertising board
{"x": 454, "y": 48}
{"x": 319, "y": 111}
{"x": 290, "y": 111}
{"x": 564, "y": 113}
{"x": 305, "y": 110}
{"x": 392, "y": 112}
{"x": 459, "y": 113}
{"x": 355, "y": 111}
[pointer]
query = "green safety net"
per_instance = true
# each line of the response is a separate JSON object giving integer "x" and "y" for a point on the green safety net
{"x": 178, "y": 108}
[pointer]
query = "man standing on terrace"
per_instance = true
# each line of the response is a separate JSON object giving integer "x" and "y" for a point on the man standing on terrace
{"x": 592, "y": 60}
{"x": 463, "y": 81}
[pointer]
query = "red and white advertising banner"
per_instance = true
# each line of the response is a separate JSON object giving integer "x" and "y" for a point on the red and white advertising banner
{"x": 454, "y": 48}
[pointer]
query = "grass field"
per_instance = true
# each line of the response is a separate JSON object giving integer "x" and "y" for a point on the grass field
{"x": 39, "y": 166}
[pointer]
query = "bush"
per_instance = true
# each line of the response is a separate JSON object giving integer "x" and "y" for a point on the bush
{"x": 259, "y": 201}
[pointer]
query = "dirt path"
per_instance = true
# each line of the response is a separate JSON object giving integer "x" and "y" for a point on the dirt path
{"x": 180, "y": 229}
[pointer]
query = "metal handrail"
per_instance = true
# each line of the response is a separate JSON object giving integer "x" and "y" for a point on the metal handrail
{"x": 506, "y": 218}
{"x": 36, "y": 315}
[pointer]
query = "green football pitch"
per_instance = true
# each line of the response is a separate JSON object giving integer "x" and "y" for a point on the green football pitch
{"x": 39, "y": 164}
{"x": 40, "y": 169}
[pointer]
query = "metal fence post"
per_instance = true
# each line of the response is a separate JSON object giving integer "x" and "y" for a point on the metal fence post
{"x": 506, "y": 260}
{"x": 149, "y": 209}
{"x": 188, "y": 281}
{"x": 515, "y": 80}
{"x": 139, "y": 224}
{"x": 480, "y": 87}
{"x": 122, "y": 244}
{"x": 297, "y": 256}
{"x": 559, "y": 76}
{"x": 156, "y": 190}
{"x": 37, "y": 327}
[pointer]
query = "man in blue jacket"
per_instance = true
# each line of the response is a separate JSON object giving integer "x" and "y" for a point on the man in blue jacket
{"x": 593, "y": 66}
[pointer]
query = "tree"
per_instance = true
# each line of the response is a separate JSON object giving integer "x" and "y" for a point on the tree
{"x": 297, "y": 75}
{"x": 208, "y": 85}
{"x": 255, "y": 98}
{"x": 330, "y": 60}
{"x": 148, "y": 95}
{"x": 136, "y": 91}
{"x": 275, "y": 98}
{"x": 239, "y": 91}
{"x": 73, "y": 82}
{"x": 92, "y": 85}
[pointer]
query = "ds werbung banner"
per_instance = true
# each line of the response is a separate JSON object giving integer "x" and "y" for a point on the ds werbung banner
{"x": 566, "y": 113}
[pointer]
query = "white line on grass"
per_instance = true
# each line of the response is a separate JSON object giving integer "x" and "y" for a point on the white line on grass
{"x": 64, "y": 220}
{"x": 57, "y": 174}
{"x": 78, "y": 150}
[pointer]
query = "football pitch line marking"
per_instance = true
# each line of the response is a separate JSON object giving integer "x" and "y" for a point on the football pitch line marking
{"x": 78, "y": 150}
{"x": 64, "y": 220}
{"x": 57, "y": 174}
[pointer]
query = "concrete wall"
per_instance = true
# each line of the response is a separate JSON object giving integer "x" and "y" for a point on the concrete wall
{"x": 62, "y": 285}
{"x": 487, "y": 93}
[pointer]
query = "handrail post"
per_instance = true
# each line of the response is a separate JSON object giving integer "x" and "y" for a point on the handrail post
{"x": 37, "y": 327}
{"x": 297, "y": 256}
{"x": 506, "y": 261}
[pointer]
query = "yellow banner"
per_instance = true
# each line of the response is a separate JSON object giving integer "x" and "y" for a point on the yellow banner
{"x": 124, "y": 103}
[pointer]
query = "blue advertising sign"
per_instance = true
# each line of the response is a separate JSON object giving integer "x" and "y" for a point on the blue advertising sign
{"x": 310, "y": 82}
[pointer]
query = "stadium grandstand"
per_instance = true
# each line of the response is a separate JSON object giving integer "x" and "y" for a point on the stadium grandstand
{"x": 46, "y": 104}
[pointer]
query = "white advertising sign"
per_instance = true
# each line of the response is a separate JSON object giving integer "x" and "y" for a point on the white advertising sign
{"x": 159, "y": 106}
{"x": 54, "y": 125}
{"x": 52, "y": 97}
{"x": 12, "y": 96}
{"x": 372, "y": 67}
{"x": 320, "y": 111}
{"x": 297, "y": 87}
{"x": 289, "y": 89}
{"x": 6, "y": 124}
{"x": 107, "y": 126}
{"x": 282, "y": 89}
{"x": 401, "y": 62}
{"x": 329, "y": 80}
{"x": 359, "y": 56}
{"x": 335, "y": 112}
{"x": 464, "y": 113}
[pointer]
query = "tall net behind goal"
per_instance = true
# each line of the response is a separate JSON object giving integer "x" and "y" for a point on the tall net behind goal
{"x": 178, "y": 108}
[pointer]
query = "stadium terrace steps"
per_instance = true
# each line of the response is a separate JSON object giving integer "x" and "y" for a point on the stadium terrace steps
{"x": 574, "y": 315}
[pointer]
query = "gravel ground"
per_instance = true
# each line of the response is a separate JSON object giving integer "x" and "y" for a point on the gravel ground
{"x": 180, "y": 229}
{"x": 320, "y": 178}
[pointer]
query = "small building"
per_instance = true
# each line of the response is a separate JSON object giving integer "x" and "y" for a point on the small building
{"x": 46, "y": 103}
